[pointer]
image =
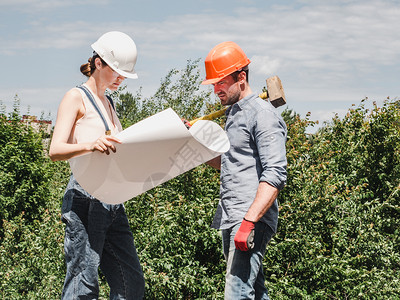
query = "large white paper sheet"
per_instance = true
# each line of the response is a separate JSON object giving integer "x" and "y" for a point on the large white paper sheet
{"x": 153, "y": 151}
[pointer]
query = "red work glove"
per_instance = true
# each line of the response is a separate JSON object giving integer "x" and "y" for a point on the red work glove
{"x": 244, "y": 238}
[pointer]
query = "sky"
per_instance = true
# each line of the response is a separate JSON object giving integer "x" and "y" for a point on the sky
{"x": 329, "y": 55}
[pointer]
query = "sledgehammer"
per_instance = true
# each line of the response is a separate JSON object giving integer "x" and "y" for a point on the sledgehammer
{"x": 274, "y": 92}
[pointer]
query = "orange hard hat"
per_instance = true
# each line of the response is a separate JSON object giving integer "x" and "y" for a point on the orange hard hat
{"x": 223, "y": 60}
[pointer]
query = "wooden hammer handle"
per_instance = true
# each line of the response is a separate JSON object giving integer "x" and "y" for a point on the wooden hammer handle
{"x": 220, "y": 112}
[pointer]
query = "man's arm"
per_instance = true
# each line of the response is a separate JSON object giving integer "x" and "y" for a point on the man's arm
{"x": 270, "y": 139}
{"x": 265, "y": 197}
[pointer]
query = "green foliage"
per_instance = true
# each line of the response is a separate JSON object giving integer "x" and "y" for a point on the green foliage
{"x": 24, "y": 181}
{"x": 182, "y": 94}
{"x": 179, "y": 90}
{"x": 31, "y": 245}
{"x": 339, "y": 218}
{"x": 131, "y": 109}
{"x": 180, "y": 254}
{"x": 31, "y": 258}
{"x": 338, "y": 234}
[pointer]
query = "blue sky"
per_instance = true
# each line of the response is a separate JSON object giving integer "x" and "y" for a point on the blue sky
{"x": 328, "y": 54}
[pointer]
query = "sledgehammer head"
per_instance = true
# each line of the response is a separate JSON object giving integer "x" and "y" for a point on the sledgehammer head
{"x": 275, "y": 92}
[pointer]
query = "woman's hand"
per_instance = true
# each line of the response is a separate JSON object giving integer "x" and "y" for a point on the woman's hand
{"x": 104, "y": 144}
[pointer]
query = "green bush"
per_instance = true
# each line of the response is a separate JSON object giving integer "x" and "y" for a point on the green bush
{"x": 338, "y": 233}
{"x": 24, "y": 181}
{"x": 31, "y": 245}
{"x": 31, "y": 258}
{"x": 180, "y": 254}
{"x": 179, "y": 90}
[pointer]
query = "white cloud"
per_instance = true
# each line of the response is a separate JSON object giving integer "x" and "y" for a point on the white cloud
{"x": 264, "y": 65}
{"x": 318, "y": 35}
{"x": 330, "y": 50}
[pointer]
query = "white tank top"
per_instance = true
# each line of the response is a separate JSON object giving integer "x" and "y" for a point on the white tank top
{"x": 90, "y": 127}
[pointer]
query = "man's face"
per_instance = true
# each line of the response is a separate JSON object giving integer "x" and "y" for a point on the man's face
{"x": 227, "y": 90}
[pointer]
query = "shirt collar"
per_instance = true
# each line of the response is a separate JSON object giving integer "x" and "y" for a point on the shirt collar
{"x": 246, "y": 100}
{"x": 241, "y": 103}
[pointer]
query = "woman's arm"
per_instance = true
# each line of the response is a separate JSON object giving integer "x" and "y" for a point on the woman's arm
{"x": 70, "y": 110}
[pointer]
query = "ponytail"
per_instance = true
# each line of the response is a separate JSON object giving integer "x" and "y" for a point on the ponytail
{"x": 89, "y": 68}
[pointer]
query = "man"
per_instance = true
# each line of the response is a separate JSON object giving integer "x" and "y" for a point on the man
{"x": 253, "y": 172}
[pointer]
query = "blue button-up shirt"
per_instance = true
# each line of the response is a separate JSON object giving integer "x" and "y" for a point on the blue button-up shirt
{"x": 257, "y": 134}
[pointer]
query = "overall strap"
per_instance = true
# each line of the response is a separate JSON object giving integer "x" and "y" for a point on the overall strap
{"x": 111, "y": 101}
{"x": 90, "y": 97}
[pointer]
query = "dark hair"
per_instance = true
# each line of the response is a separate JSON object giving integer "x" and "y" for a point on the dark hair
{"x": 235, "y": 74}
{"x": 89, "y": 68}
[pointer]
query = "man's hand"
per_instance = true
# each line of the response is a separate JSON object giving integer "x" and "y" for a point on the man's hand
{"x": 244, "y": 238}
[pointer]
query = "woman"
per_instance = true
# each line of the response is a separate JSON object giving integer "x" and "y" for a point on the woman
{"x": 96, "y": 234}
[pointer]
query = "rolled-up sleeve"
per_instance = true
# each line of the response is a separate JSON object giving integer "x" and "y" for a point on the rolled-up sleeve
{"x": 270, "y": 139}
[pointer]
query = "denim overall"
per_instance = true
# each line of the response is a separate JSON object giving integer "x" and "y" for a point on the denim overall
{"x": 98, "y": 235}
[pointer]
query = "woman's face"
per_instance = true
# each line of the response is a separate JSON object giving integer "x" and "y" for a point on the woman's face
{"x": 112, "y": 78}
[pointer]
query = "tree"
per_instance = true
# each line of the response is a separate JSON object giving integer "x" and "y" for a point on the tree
{"x": 338, "y": 233}
{"x": 181, "y": 255}
{"x": 179, "y": 90}
{"x": 339, "y": 219}
{"x": 31, "y": 235}
{"x": 24, "y": 182}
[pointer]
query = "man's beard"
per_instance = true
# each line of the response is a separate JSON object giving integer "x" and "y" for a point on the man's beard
{"x": 233, "y": 98}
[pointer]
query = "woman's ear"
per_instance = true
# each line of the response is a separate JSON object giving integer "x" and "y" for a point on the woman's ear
{"x": 98, "y": 63}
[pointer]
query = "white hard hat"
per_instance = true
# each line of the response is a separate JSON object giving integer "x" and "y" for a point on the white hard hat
{"x": 119, "y": 51}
